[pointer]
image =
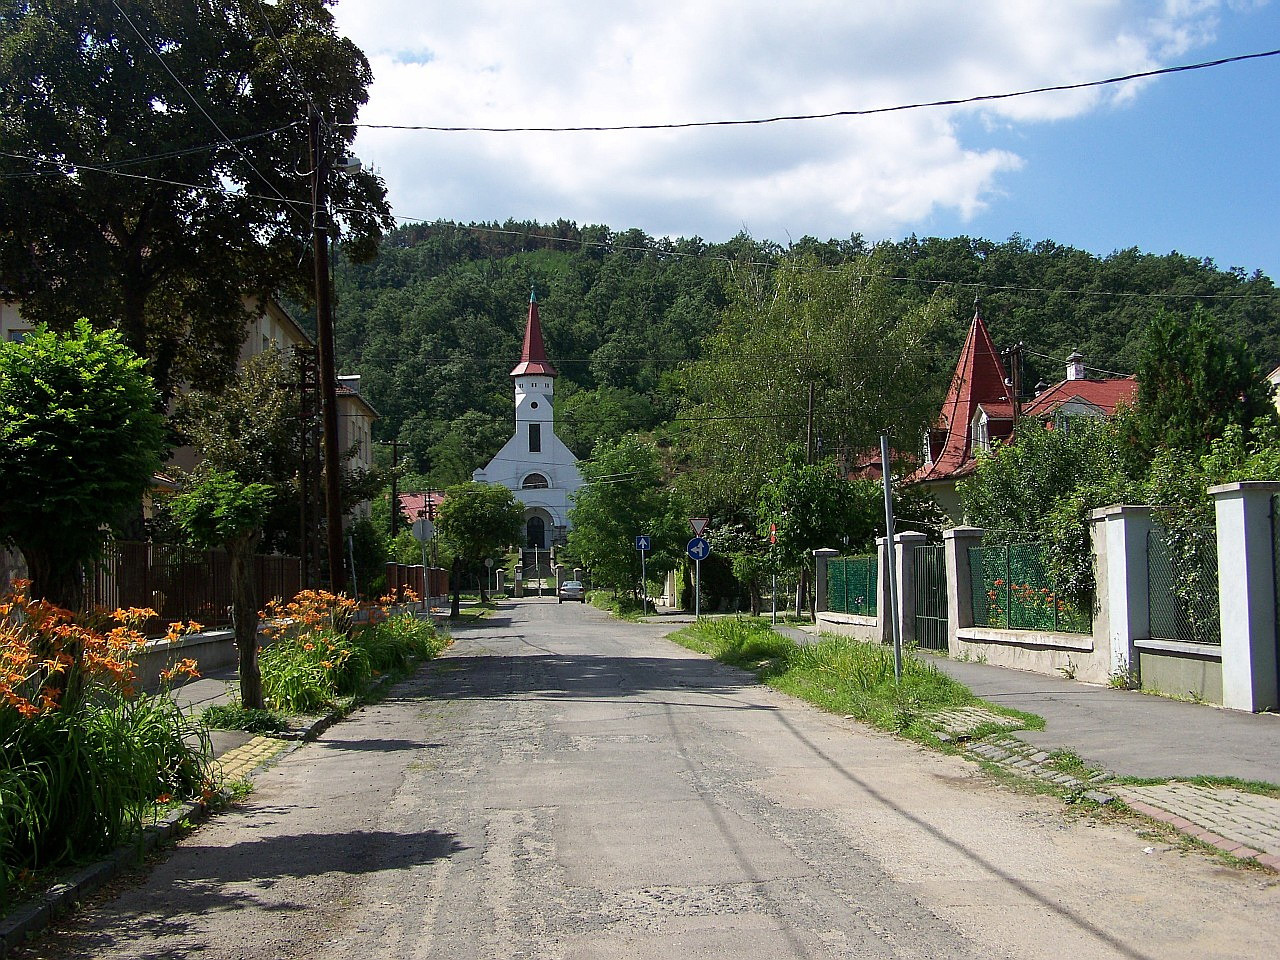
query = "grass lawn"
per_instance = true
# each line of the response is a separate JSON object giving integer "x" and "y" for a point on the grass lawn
{"x": 843, "y": 675}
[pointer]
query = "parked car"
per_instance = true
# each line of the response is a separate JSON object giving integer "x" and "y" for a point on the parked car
{"x": 572, "y": 590}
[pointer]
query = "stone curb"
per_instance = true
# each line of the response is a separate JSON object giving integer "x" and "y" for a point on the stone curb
{"x": 1019, "y": 757}
{"x": 34, "y": 915}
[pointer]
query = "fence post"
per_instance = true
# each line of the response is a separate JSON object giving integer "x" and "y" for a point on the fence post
{"x": 1123, "y": 584}
{"x": 956, "y": 543}
{"x": 1247, "y": 594}
{"x": 905, "y": 555}
{"x": 820, "y": 558}
{"x": 884, "y": 608}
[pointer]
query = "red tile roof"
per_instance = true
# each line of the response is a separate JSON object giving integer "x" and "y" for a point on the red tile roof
{"x": 412, "y": 504}
{"x": 978, "y": 380}
{"x": 533, "y": 358}
{"x": 1103, "y": 394}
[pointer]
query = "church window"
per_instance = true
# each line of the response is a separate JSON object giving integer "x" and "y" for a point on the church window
{"x": 534, "y": 405}
{"x": 534, "y": 481}
{"x": 535, "y": 438}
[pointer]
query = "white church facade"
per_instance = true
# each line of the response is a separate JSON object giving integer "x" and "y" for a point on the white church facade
{"x": 535, "y": 464}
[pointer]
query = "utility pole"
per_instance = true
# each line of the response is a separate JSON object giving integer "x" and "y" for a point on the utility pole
{"x": 328, "y": 378}
{"x": 395, "y": 492}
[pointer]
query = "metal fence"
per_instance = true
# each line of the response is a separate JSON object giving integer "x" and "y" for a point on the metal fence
{"x": 182, "y": 583}
{"x": 851, "y": 585}
{"x": 1182, "y": 586}
{"x": 930, "y": 597}
{"x": 1012, "y": 590}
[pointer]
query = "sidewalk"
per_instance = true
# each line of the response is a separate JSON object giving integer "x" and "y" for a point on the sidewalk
{"x": 1128, "y": 734}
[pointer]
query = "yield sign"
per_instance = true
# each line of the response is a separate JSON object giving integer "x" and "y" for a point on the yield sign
{"x": 699, "y": 524}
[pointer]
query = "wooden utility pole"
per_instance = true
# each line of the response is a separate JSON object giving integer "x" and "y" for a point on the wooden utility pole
{"x": 395, "y": 490}
{"x": 328, "y": 378}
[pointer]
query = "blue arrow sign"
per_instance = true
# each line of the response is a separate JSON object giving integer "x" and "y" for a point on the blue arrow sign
{"x": 642, "y": 543}
{"x": 699, "y": 549}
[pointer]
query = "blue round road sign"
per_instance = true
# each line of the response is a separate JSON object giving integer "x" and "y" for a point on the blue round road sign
{"x": 699, "y": 548}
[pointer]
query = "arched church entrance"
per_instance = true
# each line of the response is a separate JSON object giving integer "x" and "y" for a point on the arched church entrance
{"x": 536, "y": 532}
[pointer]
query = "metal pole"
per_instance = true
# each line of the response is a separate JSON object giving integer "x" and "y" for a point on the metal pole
{"x": 328, "y": 378}
{"x": 697, "y": 589}
{"x": 775, "y": 599}
{"x": 889, "y": 556}
{"x": 644, "y": 586}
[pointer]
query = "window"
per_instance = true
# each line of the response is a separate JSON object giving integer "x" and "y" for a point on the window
{"x": 534, "y": 481}
{"x": 535, "y": 438}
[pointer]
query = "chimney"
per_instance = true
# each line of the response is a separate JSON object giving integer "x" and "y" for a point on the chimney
{"x": 1075, "y": 366}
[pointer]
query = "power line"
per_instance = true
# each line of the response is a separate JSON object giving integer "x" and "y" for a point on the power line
{"x": 871, "y": 111}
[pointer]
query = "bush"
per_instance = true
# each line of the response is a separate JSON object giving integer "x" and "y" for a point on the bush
{"x": 319, "y": 654}
{"x": 84, "y": 759}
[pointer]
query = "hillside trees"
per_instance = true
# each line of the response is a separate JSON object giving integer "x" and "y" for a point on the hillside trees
{"x": 155, "y": 208}
{"x": 79, "y": 441}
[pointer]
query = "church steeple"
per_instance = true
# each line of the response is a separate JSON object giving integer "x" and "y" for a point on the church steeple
{"x": 533, "y": 357}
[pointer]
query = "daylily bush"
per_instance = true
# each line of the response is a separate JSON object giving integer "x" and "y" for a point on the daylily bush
{"x": 84, "y": 757}
{"x": 324, "y": 647}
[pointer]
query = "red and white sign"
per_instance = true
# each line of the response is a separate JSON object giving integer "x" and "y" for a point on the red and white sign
{"x": 773, "y": 533}
{"x": 699, "y": 524}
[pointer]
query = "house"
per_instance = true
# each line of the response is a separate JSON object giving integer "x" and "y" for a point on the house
{"x": 355, "y": 430}
{"x": 981, "y": 410}
{"x": 535, "y": 464}
{"x": 977, "y": 410}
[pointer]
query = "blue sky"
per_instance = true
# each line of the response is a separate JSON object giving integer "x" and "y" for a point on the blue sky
{"x": 1184, "y": 162}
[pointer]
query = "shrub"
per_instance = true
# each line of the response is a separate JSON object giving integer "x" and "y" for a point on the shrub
{"x": 84, "y": 759}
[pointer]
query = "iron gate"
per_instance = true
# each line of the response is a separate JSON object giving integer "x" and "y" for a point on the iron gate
{"x": 930, "y": 597}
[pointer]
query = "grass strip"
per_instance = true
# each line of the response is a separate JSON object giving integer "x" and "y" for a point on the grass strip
{"x": 843, "y": 675}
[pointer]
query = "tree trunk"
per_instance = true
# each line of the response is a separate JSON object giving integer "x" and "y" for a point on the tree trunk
{"x": 753, "y": 594}
{"x": 53, "y": 578}
{"x": 244, "y": 613}
{"x": 455, "y": 581}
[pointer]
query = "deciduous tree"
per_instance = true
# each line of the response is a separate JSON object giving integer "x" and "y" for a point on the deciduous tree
{"x": 80, "y": 439}
{"x": 153, "y": 161}
{"x": 475, "y": 521}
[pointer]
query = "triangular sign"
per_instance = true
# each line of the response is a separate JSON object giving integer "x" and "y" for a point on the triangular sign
{"x": 699, "y": 524}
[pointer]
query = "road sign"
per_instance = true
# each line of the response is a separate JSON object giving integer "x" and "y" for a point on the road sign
{"x": 642, "y": 543}
{"x": 773, "y": 533}
{"x": 488, "y": 562}
{"x": 699, "y": 549}
{"x": 699, "y": 524}
{"x": 423, "y": 529}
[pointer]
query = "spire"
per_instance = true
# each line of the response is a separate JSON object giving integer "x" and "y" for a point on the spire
{"x": 533, "y": 357}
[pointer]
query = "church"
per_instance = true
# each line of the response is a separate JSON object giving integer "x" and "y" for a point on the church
{"x": 535, "y": 464}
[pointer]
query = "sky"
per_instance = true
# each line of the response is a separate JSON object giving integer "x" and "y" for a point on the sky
{"x": 1184, "y": 162}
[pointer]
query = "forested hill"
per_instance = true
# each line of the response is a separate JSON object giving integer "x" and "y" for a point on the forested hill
{"x": 434, "y": 324}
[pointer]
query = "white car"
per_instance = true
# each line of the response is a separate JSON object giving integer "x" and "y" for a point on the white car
{"x": 572, "y": 590}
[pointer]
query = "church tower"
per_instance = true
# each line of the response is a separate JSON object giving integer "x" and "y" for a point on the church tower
{"x": 535, "y": 464}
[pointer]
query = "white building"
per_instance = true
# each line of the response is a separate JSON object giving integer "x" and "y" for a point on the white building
{"x": 534, "y": 464}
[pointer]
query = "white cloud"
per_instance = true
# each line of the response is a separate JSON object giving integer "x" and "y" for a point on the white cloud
{"x": 518, "y": 63}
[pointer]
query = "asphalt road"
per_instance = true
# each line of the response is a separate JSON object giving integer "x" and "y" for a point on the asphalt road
{"x": 562, "y": 785}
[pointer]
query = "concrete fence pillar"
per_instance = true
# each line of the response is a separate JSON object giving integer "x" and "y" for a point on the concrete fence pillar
{"x": 905, "y": 544}
{"x": 956, "y": 543}
{"x": 1247, "y": 594}
{"x": 820, "y": 558}
{"x": 500, "y": 583}
{"x": 560, "y": 577}
{"x": 1122, "y": 585}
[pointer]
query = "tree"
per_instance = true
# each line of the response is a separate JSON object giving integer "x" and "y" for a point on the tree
{"x": 831, "y": 340}
{"x": 246, "y": 439}
{"x": 623, "y": 497}
{"x": 814, "y": 506}
{"x": 475, "y": 521}
{"x": 80, "y": 439}
{"x": 149, "y": 158}
{"x": 1194, "y": 381}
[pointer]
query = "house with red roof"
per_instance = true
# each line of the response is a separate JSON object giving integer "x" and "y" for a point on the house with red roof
{"x": 980, "y": 410}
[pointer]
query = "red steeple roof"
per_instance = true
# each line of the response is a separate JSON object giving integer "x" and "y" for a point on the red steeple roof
{"x": 979, "y": 380}
{"x": 533, "y": 358}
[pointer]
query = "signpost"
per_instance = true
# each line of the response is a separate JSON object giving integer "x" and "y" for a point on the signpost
{"x": 698, "y": 549}
{"x": 643, "y": 543}
{"x": 424, "y": 530}
{"x": 773, "y": 538}
{"x": 488, "y": 562}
